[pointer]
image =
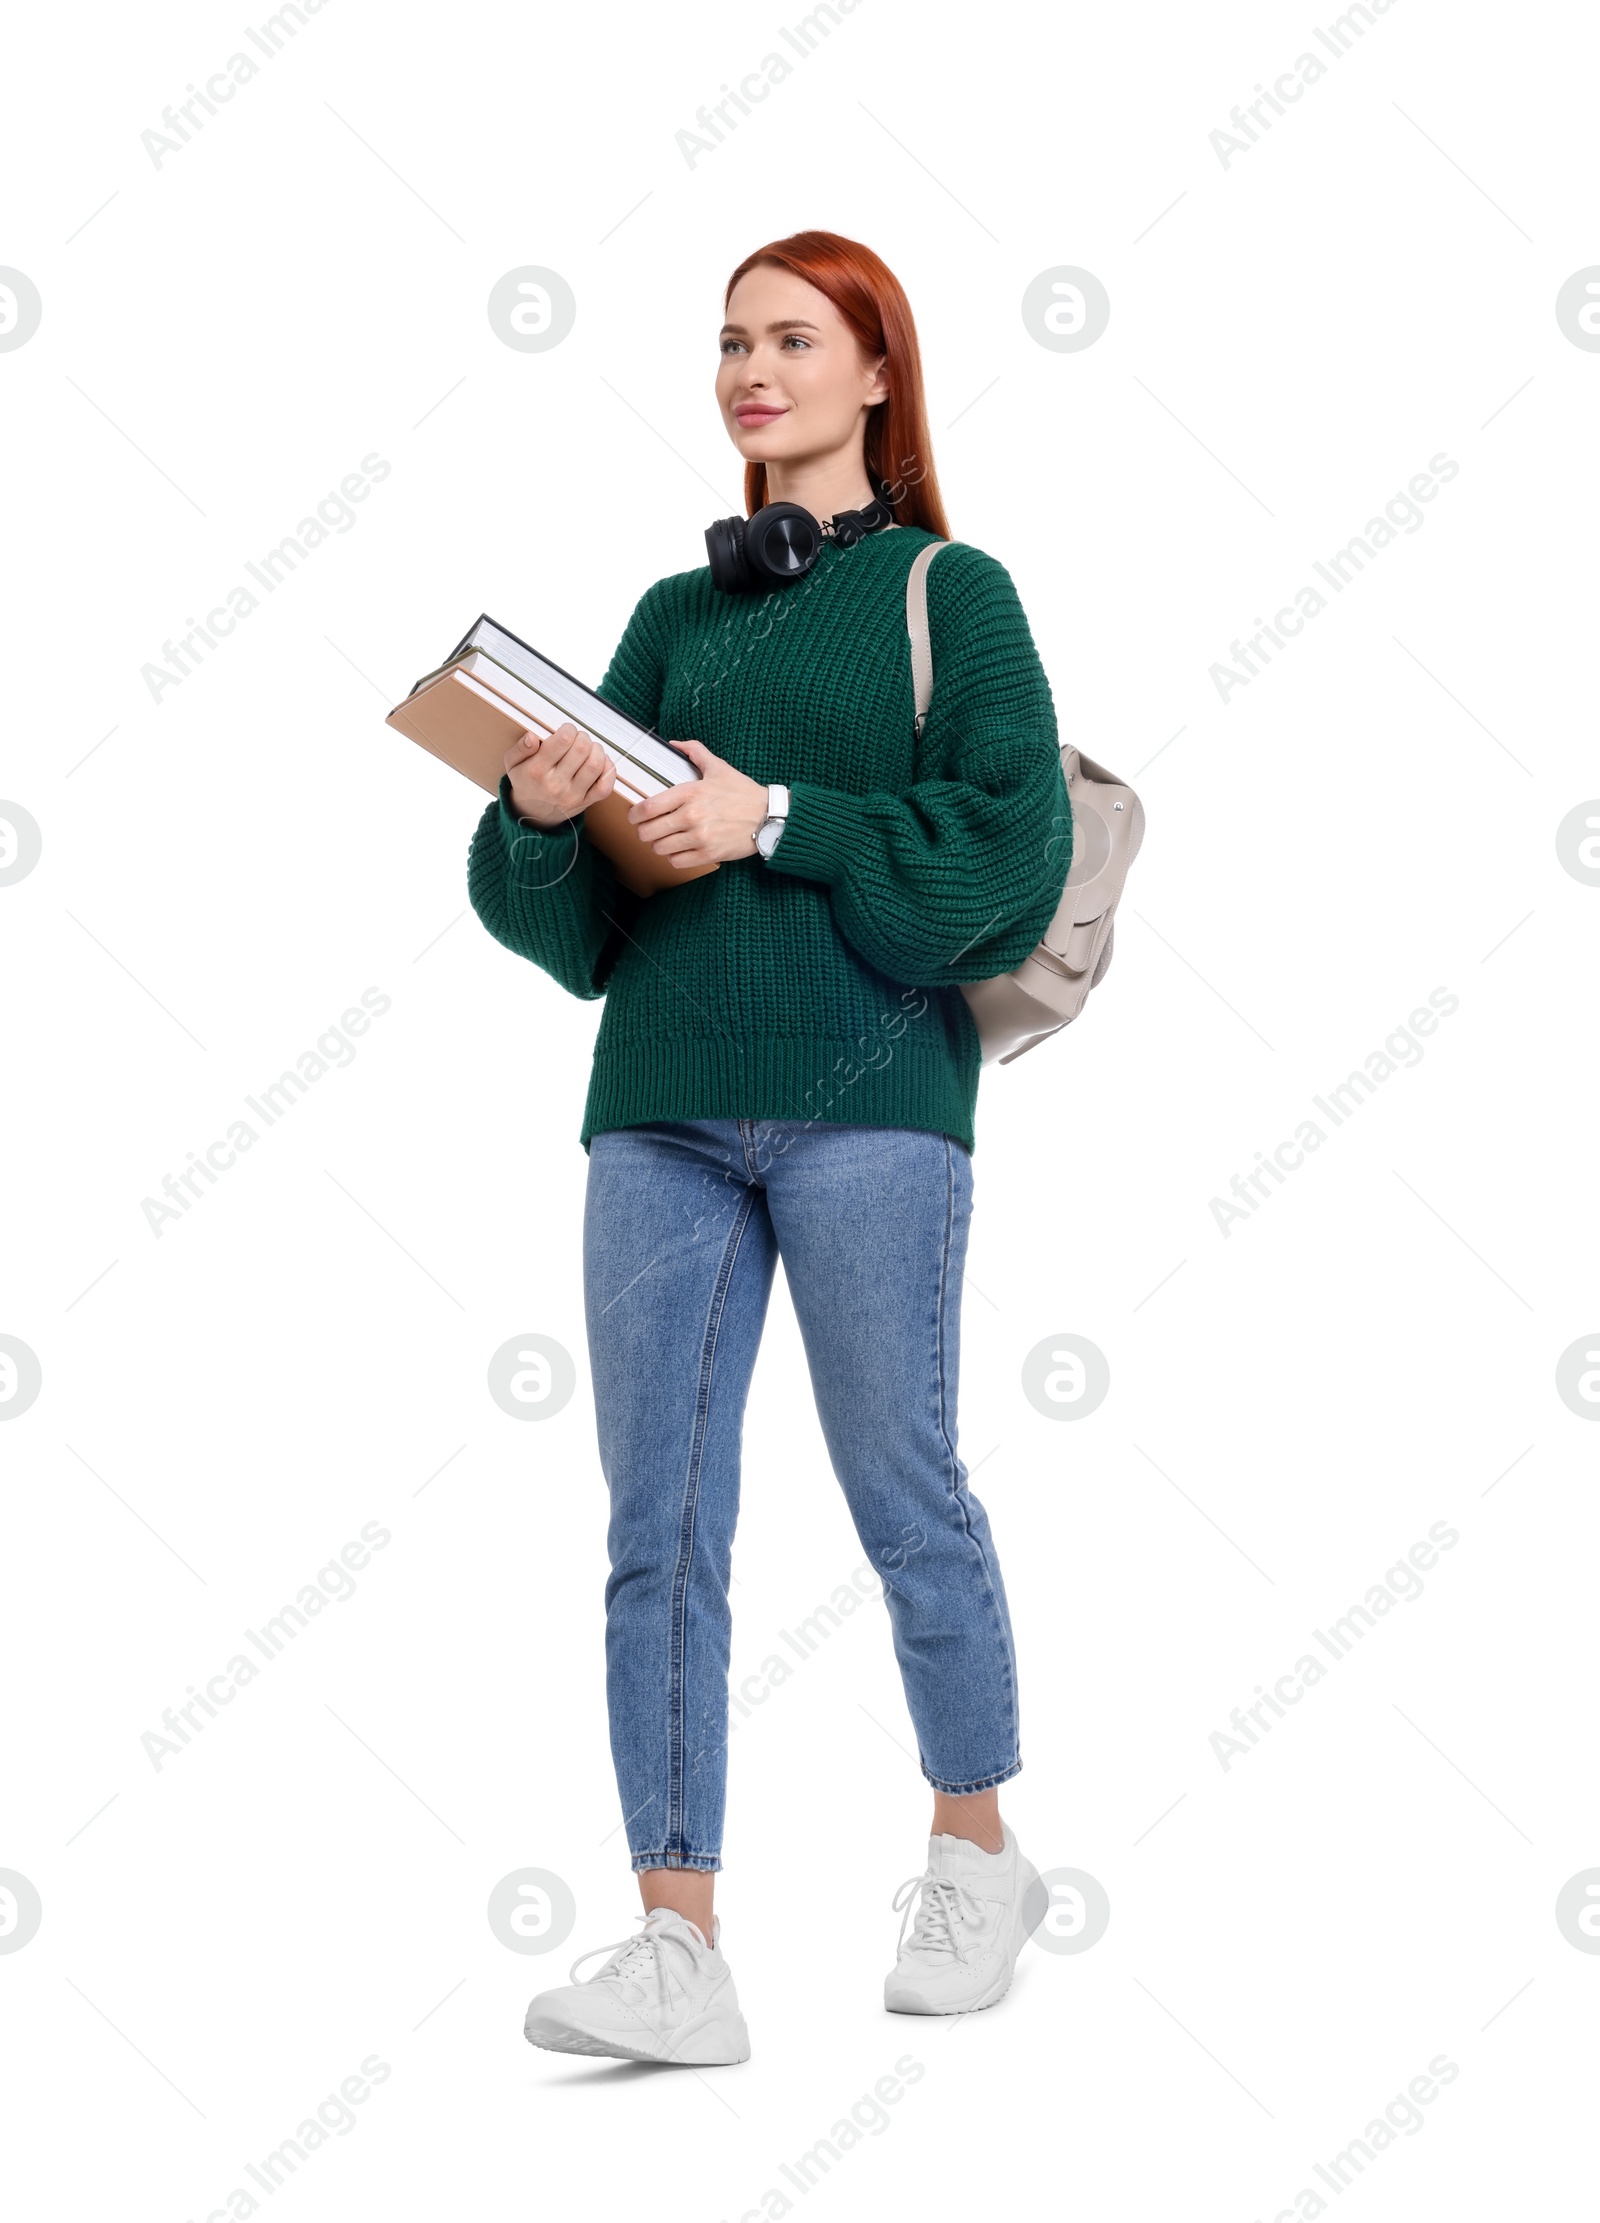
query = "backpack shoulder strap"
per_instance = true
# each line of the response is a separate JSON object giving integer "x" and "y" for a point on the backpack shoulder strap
{"x": 917, "y": 627}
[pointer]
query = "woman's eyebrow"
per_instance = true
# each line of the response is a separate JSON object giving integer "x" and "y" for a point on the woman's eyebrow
{"x": 780, "y": 324}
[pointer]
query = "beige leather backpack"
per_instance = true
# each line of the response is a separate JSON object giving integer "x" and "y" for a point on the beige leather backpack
{"x": 1049, "y": 988}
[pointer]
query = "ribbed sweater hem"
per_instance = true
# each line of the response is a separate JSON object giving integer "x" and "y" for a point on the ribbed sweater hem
{"x": 786, "y": 1078}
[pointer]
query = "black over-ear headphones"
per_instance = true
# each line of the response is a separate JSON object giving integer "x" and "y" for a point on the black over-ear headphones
{"x": 781, "y": 542}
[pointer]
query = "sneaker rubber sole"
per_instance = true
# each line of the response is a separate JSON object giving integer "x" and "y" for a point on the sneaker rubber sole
{"x": 712, "y": 2040}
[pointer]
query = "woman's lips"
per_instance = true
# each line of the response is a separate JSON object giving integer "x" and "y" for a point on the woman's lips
{"x": 756, "y": 414}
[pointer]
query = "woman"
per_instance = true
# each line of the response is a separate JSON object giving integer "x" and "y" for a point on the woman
{"x": 786, "y": 1067}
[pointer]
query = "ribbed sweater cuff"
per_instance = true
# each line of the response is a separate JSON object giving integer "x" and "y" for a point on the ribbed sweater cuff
{"x": 820, "y": 834}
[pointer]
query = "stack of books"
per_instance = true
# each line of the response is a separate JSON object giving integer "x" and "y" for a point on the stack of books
{"x": 493, "y": 688}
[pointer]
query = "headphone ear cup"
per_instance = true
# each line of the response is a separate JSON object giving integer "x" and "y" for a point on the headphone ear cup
{"x": 747, "y": 555}
{"x": 725, "y": 553}
{"x": 781, "y": 543}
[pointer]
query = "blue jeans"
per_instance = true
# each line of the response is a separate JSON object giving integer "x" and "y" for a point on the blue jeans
{"x": 684, "y": 1223}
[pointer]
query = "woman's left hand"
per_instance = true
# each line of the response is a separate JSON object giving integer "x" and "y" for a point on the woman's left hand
{"x": 711, "y": 820}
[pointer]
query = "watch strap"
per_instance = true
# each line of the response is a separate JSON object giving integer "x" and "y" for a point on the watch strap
{"x": 776, "y": 818}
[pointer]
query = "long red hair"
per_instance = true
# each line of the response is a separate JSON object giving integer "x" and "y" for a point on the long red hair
{"x": 872, "y": 302}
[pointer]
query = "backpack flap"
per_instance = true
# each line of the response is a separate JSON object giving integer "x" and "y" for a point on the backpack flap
{"x": 1107, "y": 830}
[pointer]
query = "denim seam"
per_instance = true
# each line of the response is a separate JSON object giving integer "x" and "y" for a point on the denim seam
{"x": 998, "y": 1619}
{"x": 746, "y": 1137}
{"x": 680, "y": 1600}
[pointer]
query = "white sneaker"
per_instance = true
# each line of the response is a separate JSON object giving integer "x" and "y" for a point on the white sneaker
{"x": 978, "y": 1910}
{"x": 662, "y": 1996}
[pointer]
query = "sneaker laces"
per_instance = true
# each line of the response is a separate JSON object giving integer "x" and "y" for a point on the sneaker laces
{"x": 635, "y": 1959}
{"x": 946, "y": 1902}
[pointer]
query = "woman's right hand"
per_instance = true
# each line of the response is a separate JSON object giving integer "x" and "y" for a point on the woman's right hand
{"x": 556, "y": 776}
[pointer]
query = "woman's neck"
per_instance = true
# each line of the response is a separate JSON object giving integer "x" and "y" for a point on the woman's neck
{"x": 824, "y": 486}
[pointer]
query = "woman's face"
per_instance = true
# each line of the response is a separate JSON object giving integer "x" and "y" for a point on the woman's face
{"x": 793, "y": 384}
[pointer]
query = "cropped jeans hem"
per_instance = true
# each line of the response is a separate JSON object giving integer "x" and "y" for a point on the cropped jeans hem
{"x": 706, "y": 1863}
{"x": 984, "y": 1782}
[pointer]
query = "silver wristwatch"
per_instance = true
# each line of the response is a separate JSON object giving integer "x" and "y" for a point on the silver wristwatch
{"x": 771, "y": 827}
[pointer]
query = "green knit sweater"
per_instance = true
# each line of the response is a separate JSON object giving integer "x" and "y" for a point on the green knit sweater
{"x": 819, "y": 985}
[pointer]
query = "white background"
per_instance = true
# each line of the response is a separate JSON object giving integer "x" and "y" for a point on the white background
{"x": 1292, "y": 1405}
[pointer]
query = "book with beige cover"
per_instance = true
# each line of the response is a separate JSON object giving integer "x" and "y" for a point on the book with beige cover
{"x": 493, "y": 688}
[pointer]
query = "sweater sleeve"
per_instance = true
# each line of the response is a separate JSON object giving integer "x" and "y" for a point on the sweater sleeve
{"x": 548, "y": 893}
{"x": 957, "y": 878}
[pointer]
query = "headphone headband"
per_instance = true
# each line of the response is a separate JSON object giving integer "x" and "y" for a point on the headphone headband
{"x": 851, "y": 525}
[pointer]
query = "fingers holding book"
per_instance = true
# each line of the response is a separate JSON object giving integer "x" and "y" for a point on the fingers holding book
{"x": 712, "y": 820}
{"x": 557, "y": 775}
